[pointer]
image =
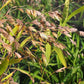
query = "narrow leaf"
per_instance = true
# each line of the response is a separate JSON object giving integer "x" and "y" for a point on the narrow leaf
{"x": 14, "y": 61}
{"x": 5, "y": 4}
{"x": 8, "y": 76}
{"x": 61, "y": 56}
{"x": 24, "y": 41}
{"x": 14, "y": 30}
{"x": 81, "y": 82}
{"x": 4, "y": 65}
{"x": 48, "y": 52}
{"x": 25, "y": 72}
{"x": 20, "y": 33}
{"x": 66, "y": 9}
{"x": 74, "y": 13}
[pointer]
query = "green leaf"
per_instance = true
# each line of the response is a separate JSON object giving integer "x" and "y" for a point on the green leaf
{"x": 66, "y": 9}
{"x": 82, "y": 82}
{"x": 48, "y": 52}
{"x": 74, "y": 13}
{"x": 4, "y": 65}
{"x": 20, "y": 33}
{"x": 36, "y": 75}
{"x": 60, "y": 55}
{"x": 5, "y": 4}
{"x": 14, "y": 61}
{"x": 52, "y": 64}
{"x": 8, "y": 76}
{"x": 25, "y": 72}
{"x": 24, "y": 41}
{"x": 14, "y": 30}
{"x": 74, "y": 70}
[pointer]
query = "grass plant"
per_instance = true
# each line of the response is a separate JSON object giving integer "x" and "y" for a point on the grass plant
{"x": 39, "y": 45}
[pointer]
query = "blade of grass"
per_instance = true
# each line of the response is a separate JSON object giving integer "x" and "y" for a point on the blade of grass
{"x": 20, "y": 33}
{"x": 24, "y": 41}
{"x": 48, "y": 52}
{"x": 25, "y": 72}
{"x": 8, "y": 76}
{"x": 74, "y": 13}
{"x": 4, "y": 65}
{"x": 60, "y": 55}
{"x": 14, "y": 30}
{"x": 5, "y": 4}
{"x": 66, "y": 9}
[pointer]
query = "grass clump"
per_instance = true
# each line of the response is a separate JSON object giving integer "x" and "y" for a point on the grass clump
{"x": 39, "y": 45}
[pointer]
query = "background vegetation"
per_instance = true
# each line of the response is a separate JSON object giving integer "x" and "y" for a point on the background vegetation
{"x": 41, "y": 42}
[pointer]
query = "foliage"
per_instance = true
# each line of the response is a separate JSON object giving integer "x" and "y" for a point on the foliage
{"x": 40, "y": 43}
